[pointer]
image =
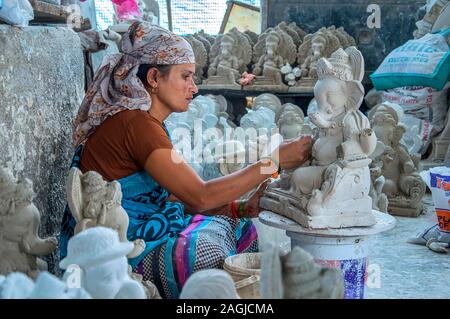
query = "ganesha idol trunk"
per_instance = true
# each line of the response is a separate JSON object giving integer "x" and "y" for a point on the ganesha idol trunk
{"x": 344, "y": 203}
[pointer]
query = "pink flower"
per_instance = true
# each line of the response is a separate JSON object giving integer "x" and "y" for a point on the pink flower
{"x": 246, "y": 79}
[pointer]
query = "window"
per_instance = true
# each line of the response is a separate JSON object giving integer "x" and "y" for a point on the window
{"x": 104, "y": 14}
{"x": 188, "y": 16}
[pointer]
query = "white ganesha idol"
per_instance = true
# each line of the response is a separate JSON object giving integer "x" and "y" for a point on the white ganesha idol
{"x": 332, "y": 191}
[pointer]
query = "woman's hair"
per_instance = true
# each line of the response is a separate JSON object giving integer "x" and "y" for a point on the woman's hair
{"x": 143, "y": 70}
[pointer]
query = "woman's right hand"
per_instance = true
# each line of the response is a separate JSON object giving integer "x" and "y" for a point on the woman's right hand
{"x": 293, "y": 153}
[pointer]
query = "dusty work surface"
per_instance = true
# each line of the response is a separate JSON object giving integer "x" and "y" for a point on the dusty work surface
{"x": 407, "y": 270}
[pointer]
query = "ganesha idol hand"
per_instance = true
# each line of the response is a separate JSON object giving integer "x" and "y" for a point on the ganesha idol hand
{"x": 409, "y": 167}
{"x": 318, "y": 120}
{"x": 366, "y": 132}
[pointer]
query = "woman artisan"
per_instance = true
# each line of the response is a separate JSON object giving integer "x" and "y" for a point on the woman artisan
{"x": 119, "y": 132}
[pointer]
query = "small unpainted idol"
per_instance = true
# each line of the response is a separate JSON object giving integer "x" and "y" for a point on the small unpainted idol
{"x": 332, "y": 190}
{"x": 440, "y": 145}
{"x": 315, "y": 46}
{"x": 229, "y": 57}
{"x": 95, "y": 202}
{"x": 201, "y": 58}
{"x": 20, "y": 244}
{"x": 403, "y": 185}
{"x": 100, "y": 259}
{"x": 290, "y": 121}
{"x": 18, "y": 286}
{"x": 209, "y": 284}
{"x": 150, "y": 10}
{"x": 273, "y": 50}
{"x": 297, "y": 276}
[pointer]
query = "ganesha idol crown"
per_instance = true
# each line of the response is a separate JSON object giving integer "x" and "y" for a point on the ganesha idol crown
{"x": 12, "y": 190}
{"x": 346, "y": 65}
{"x": 228, "y": 39}
{"x": 273, "y": 37}
{"x": 7, "y": 183}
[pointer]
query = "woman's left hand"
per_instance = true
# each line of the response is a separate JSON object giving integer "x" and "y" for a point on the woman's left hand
{"x": 252, "y": 208}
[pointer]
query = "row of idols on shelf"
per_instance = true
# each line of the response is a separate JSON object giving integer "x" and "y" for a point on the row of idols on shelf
{"x": 283, "y": 57}
{"x": 96, "y": 262}
{"x": 222, "y": 144}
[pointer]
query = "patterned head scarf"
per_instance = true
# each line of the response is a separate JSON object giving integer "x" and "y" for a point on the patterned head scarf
{"x": 116, "y": 86}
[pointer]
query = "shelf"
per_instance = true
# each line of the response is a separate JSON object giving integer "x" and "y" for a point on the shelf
{"x": 47, "y": 13}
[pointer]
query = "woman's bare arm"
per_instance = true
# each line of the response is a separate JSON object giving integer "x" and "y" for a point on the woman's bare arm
{"x": 174, "y": 174}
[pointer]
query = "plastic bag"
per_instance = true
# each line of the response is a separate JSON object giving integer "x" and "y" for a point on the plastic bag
{"x": 437, "y": 236}
{"x": 424, "y": 62}
{"x": 417, "y": 137}
{"x": 433, "y": 238}
{"x": 16, "y": 12}
{"x": 438, "y": 180}
{"x": 425, "y": 103}
{"x": 425, "y": 109}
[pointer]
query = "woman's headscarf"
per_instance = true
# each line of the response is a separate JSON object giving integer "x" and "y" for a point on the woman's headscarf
{"x": 116, "y": 86}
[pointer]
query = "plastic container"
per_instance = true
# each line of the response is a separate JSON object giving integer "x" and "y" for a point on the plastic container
{"x": 249, "y": 288}
{"x": 346, "y": 253}
{"x": 245, "y": 269}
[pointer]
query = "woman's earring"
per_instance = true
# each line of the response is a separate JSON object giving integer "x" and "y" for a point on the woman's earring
{"x": 153, "y": 89}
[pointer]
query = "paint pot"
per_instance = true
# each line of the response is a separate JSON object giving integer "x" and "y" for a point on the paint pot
{"x": 346, "y": 253}
{"x": 245, "y": 269}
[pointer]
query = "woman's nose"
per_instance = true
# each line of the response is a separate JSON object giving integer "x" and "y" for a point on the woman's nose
{"x": 194, "y": 88}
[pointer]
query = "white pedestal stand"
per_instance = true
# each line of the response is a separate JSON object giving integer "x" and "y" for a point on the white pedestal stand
{"x": 344, "y": 248}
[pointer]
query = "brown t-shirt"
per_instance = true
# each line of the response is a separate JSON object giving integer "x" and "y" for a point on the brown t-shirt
{"x": 121, "y": 144}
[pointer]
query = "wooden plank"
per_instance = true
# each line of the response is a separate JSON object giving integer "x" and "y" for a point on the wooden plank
{"x": 50, "y": 13}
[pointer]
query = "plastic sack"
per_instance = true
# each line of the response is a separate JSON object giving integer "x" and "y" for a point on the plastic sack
{"x": 433, "y": 238}
{"x": 16, "y": 12}
{"x": 425, "y": 110}
{"x": 438, "y": 180}
{"x": 424, "y": 62}
{"x": 418, "y": 135}
{"x": 437, "y": 236}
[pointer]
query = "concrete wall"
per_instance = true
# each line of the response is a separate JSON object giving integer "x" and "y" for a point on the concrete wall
{"x": 398, "y": 18}
{"x": 41, "y": 88}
